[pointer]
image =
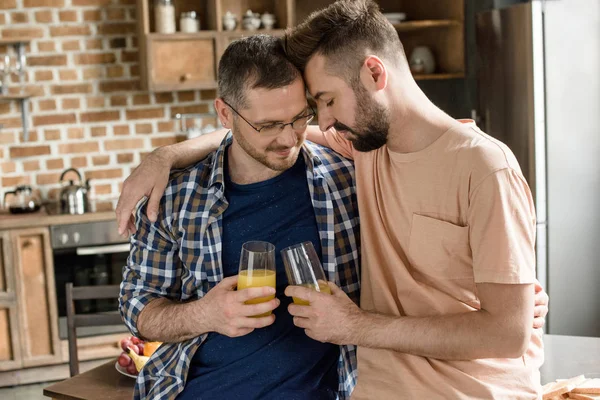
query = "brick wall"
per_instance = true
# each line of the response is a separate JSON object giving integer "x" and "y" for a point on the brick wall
{"x": 88, "y": 110}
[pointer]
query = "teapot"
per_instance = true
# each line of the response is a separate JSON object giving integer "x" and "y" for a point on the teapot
{"x": 251, "y": 21}
{"x": 23, "y": 200}
{"x": 74, "y": 197}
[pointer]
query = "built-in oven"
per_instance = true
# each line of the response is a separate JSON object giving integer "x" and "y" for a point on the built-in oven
{"x": 88, "y": 254}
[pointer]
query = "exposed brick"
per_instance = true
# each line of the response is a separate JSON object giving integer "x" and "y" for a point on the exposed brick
{"x": 163, "y": 98}
{"x": 81, "y": 30}
{"x": 114, "y": 71}
{"x": 141, "y": 99}
{"x": 131, "y": 14}
{"x": 85, "y": 147}
{"x": 6, "y": 108}
{"x": 92, "y": 15}
{"x": 99, "y": 116}
{"x": 199, "y": 108}
{"x": 134, "y": 70}
{"x": 102, "y": 189}
{"x": 102, "y": 206}
{"x": 124, "y": 158}
{"x": 55, "y": 119}
{"x": 2, "y": 19}
{"x": 130, "y": 56}
{"x": 98, "y": 131}
{"x": 208, "y": 94}
{"x": 28, "y": 151}
{"x": 70, "y": 89}
{"x": 116, "y": 14}
{"x": 163, "y": 141}
{"x": 32, "y": 136}
{"x": 167, "y": 126}
{"x": 47, "y": 179}
{"x": 43, "y": 75}
{"x": 44, "y": 3}
{"x": 117, "y": 43}
{"x": 75, "y": 133}
{"x": 46, "y": 46}
{"x": 186, "y": 96}
{"x": 29, "y": 166}
{"x": 10, "y": 123}
{"x": 120, "y": 130}
{"x": 122, "y": 144}
{"x": 8, "y": 167}
{"x": 68, "y": 16}
{"x": 52, "y": 134}
{"x": 91, "y": 2}
{"x": 100, "y": 160}
{"x": 55, "y": 60}
{"x": 143, "y": 128}
{"x": 68, "y": 75}
{"x": 98, "y": 58}
{"x": 95, "y": 102}
{"x": 93, "y": 73}
{"x": 93, "y": 44}
{"x": 7, "y": 138}
{"x": 104, "y": 174}
{"x": 18, "y": 18}
{"x": 145, "y": 113}
{"x": 35, "y": 90}
{"x": 118, "y": 101}
{"x": 16, "y": 180}
{"x": 71, "y": 45}
{"x": 47, "y": 105}
{"x": 71, "y": 104}
{"x": 44, "y": 16}
{"x": 56, "y": 163}
{"x": 79, "y": 162}
{"x": 8, "y": 33}
{"x": 119, "y": 86}
{"x": 120, "y": 28}
{"x": 8, "y": 4}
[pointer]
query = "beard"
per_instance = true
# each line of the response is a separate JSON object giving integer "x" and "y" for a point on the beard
{"x": 372, "y": 122}
{"x": 262, "y": 157}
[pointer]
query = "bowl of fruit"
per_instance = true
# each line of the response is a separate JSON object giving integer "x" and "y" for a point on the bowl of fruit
{"x": 135, "y": 355}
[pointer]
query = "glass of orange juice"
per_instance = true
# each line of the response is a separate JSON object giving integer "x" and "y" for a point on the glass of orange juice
{"x": 303, "y": 268}
{"x": 257, "y": 269}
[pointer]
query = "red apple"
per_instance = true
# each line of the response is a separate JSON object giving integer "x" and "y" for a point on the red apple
{"x": 135, "y": 340}
{"x": 131, "y": 369}
{"x": 135, "y": 349}
{"x": 140, "y": 347}
{"x": 125, "y": 343}
{"x": 124, "y": 360}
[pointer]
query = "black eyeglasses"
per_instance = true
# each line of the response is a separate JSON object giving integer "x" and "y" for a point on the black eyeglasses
{"x": 276, "y": 128}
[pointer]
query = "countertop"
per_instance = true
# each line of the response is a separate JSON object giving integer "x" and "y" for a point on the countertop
{"x": 42, "y": 218}
{"x": 569, "y": 356}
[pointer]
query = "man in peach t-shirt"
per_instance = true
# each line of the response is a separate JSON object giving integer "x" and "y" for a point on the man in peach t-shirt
{"x": 447, "y": 226}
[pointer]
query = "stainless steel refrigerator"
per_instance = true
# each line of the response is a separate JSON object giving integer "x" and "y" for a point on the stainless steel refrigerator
{"x": 539, "y": 92}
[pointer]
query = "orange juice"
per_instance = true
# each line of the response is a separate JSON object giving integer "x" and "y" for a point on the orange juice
{"x": 323, "y": 288}
{"x": 257, "y": 278}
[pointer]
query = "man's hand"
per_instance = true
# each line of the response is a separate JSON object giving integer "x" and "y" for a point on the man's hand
{"x": 541, "y": 306}
{"x": 328, "y": 318}
{"x": 225, "y": 312}
{"x": 149, "y": 179}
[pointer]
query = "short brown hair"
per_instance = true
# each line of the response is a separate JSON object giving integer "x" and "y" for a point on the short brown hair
{"x": 344, "y": 32}
{"x": 253, "y": 62}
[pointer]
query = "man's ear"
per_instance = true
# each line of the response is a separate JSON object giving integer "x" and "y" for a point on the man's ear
{"x": 224, "y": 113}
{"x": 373, "y": 73}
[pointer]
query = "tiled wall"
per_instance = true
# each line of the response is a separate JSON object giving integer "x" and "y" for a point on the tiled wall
{"x": 88, "y": 110}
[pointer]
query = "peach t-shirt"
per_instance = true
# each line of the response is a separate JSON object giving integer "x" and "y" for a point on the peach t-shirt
{"x": 434, "y": 223}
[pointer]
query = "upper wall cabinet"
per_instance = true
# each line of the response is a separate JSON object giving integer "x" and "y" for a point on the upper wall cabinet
{"x": 173, "y": 56}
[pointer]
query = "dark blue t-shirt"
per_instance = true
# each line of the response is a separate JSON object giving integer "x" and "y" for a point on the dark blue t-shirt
{"x": 279, "y": 361}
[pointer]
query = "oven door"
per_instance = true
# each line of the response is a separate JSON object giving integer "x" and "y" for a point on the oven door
{"x": 89, "y": 266}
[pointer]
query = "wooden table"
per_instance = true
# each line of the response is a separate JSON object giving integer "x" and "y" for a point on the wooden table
{"x": 101, "y": 383}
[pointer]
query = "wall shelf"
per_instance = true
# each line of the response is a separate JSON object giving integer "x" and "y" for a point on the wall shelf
{"x": 430, "y": 77}
{"x": 427, "y": 24}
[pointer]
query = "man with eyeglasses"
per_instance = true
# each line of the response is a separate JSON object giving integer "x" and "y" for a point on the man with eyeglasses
{"x": 264, "y": 182}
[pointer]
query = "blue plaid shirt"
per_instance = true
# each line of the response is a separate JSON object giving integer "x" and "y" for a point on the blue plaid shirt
{"x": 166, "y": 259}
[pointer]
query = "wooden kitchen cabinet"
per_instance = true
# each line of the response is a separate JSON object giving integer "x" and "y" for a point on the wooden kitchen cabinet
{"x": 187, "y": 61}
{"x": 10, "y": 348}
{"x": 36, "y": 298}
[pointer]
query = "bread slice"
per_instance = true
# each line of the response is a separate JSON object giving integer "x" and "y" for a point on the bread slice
{"x": 581, "y": 396}
{"x": 590, "y": 386}
{"x": 559, "y": 388}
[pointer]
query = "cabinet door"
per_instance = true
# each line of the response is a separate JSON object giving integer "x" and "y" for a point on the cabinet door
{"x": 182, "y": 62}
{"x": 10, "y": 350}
{"x": 36, "y": 297}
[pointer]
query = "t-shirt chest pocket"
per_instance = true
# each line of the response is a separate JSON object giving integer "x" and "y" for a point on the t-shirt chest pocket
{"x": 440, "y": 256}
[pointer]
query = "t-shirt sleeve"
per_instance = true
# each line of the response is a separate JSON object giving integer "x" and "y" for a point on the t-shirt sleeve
{"x": 332, "y": 139}
{"x": 502, "y": 224}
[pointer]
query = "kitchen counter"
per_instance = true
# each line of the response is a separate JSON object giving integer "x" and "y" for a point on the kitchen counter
{"x": 569, "y": 356}
{"x": 42, "y": 218}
